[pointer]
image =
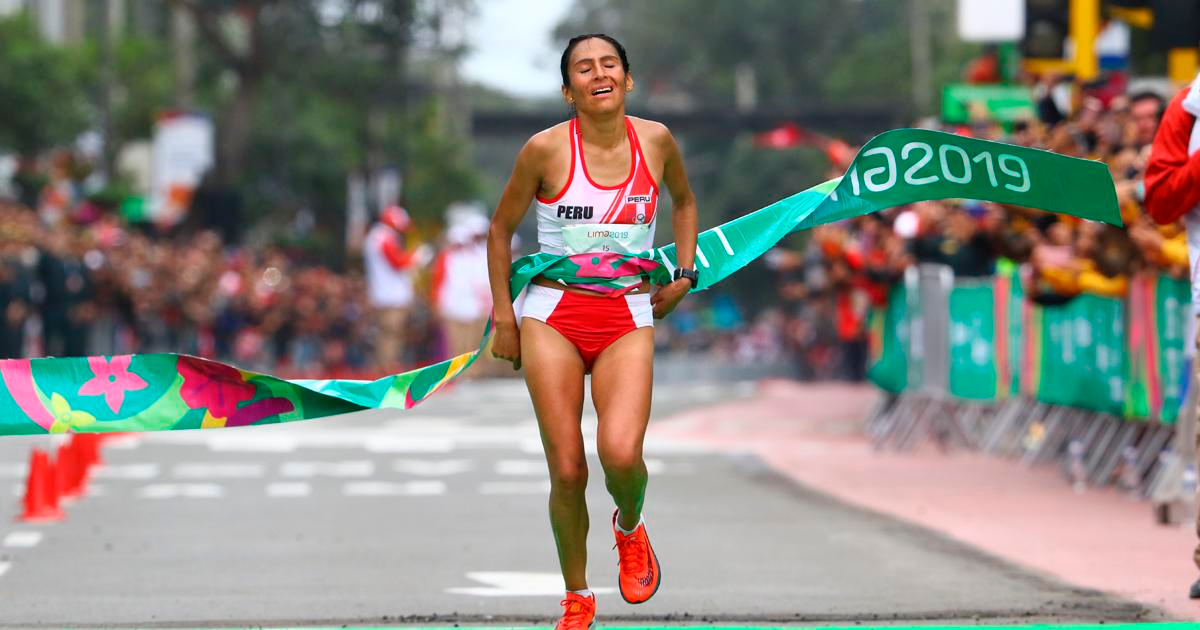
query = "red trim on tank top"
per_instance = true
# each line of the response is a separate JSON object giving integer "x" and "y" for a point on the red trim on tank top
{"x": 570, "y": 174}
{"x": 633, "y": 149}
{"x": 642, "y": 158}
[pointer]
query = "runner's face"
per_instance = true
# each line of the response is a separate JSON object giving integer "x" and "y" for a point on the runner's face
{"x": 598, "y": 80}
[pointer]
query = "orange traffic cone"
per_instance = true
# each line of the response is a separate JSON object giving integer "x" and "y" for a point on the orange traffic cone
{"x": 89, "y": 450}
{"x": 41, "y": 490}
{"x": 69, "y": 471}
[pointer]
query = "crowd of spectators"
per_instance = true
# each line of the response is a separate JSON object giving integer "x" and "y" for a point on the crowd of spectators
{"x": 828, "y": 288}
{"x": 105, "y": 287}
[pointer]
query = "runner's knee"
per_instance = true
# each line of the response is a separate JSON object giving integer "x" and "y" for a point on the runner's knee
{"x": 569, "y": 473}
{"x": 621, "y": 461}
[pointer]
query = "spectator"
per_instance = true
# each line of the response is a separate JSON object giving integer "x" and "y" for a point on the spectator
{"x": 389, "y": 266}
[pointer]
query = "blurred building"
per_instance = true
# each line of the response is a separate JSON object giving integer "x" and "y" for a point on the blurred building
{"x": 70, "y": 21}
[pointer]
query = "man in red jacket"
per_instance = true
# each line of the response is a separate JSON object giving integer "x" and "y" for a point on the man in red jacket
{"x": 1172, "y": 192}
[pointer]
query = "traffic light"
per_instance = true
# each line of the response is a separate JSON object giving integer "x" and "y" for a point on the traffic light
{"x": 1047, "y": 24}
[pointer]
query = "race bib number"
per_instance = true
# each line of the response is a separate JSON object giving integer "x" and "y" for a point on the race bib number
{"x": 603, "y": 237}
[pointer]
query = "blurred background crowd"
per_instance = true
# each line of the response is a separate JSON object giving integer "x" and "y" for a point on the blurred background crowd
{"x": 830, "y": 284}
{"x": 296, "y": 222}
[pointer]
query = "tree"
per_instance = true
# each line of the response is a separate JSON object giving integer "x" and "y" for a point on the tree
{"x": 41, "y": 89}
{"x": 237, "y": 34}
{"x": 816, "y": 52}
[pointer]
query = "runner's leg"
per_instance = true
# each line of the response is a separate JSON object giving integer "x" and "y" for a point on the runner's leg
{"x": 622, "y": 378}
{"x": 554, "y": 375}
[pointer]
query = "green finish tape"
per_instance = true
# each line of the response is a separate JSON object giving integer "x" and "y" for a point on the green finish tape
{"x": 156, "y": 392}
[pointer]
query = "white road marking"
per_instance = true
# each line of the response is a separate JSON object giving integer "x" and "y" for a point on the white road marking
{"x": 247, "y": 442}
{"x": 289, "y": 489}
{"x": 13, "y": 471}
{"x": 407, "y": 422}
{"x": 182, "y": 490}
{"x": 431, "y": 467}
{"x": 392, "y": 489}
{"x": 4, "y": 567}
{"x": 127, "y": 471}
{"x": 515, "y": 584}
{"x": 514, "y": 487}
{"x": 724, "y": 241}
{"x": 125, "y": 442}
{"x": 522, "y": 467}
{"x": 195, "y": 470}
{"x": 399, "y": 443}
{"x": 22, "y": 539}
{"x": 350, "y": 468}
{"x": 537, "y": 467}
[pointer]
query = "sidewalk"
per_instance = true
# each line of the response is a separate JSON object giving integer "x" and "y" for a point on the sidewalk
{"x": 1098, "y": 539}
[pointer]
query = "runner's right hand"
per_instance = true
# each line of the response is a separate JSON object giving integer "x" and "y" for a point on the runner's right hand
{"x": 506, "y": 344}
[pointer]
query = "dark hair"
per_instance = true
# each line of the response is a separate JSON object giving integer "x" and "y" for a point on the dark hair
{"x": 1145, "y": 95}
{"x": 566, "y": 56}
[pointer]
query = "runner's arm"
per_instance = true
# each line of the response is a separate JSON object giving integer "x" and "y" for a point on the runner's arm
{"x": 1172, "y": 176}
{"x": 518, "y": 193}
{"x": 683, "y": 203}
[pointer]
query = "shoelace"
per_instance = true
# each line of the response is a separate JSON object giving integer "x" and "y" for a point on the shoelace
{"x": 631, "y": 553}
{"x": 575, "y": 615}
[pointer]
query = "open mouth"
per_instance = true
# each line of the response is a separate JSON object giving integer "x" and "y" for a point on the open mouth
{"x": 603, "y": 90}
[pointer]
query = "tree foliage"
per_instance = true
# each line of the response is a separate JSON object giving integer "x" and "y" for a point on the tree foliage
{"x": 815, "y": 52}
{"x": 41, "y": 88}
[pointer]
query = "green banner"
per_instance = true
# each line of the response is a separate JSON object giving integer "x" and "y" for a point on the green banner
{"x": 1159, "y": 309}
{"x": 1173, "y": 310}
{"x": 889, "y": 342}
{"x": 1009, "y": 298}
{"x": 1002, "y": 103}
{"x": 1126, "y": 357}
{"x": 972, "y": 373}
{"x": 1081, "y": 359}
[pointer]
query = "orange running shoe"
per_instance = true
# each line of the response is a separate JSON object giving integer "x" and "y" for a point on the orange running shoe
{"x": 639, "y": 573}
{"x": 579, "y": 612}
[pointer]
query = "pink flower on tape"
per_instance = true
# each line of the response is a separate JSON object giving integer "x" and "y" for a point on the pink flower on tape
{"x": 212, "y": 385}
{"x": 112, "y": 379}
{"x": 611, "y": 265}
{"x": 597, "y": 264}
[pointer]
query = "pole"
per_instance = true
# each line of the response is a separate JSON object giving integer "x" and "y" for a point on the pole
{"x": 1182, "y": 64}
{"x": 183, "y": 53}
{"x": 1085, "y": 27}
{"x": 922, "y": 56}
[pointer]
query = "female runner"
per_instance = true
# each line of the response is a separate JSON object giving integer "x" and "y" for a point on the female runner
{"x": 600, "y": 167}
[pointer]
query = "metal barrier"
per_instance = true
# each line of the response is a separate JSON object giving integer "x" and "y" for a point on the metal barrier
{"x": 1091, "y": 447}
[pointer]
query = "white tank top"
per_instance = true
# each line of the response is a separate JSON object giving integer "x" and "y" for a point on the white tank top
{"x": 386, "y": 285}
{"x": 584, "y": 202}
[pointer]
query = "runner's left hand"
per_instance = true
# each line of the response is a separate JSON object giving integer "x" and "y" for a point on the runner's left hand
{"x": 666, "y": 298}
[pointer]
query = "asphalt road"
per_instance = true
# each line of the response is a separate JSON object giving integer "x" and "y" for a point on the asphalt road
{"x": 438, "y": 515}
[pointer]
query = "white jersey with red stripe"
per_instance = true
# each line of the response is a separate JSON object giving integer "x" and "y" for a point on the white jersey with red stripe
{"x": 584, "y": 202}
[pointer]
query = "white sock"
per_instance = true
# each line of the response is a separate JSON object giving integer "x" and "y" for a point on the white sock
{"x": 627, "y": 531}
{"x": 587, "y": 592}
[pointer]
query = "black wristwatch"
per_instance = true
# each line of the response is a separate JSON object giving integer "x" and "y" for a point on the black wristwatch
{"x": 692, "y": 275}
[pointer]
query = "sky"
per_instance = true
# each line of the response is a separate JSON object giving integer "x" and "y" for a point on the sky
{"x": 511, "y": 46}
